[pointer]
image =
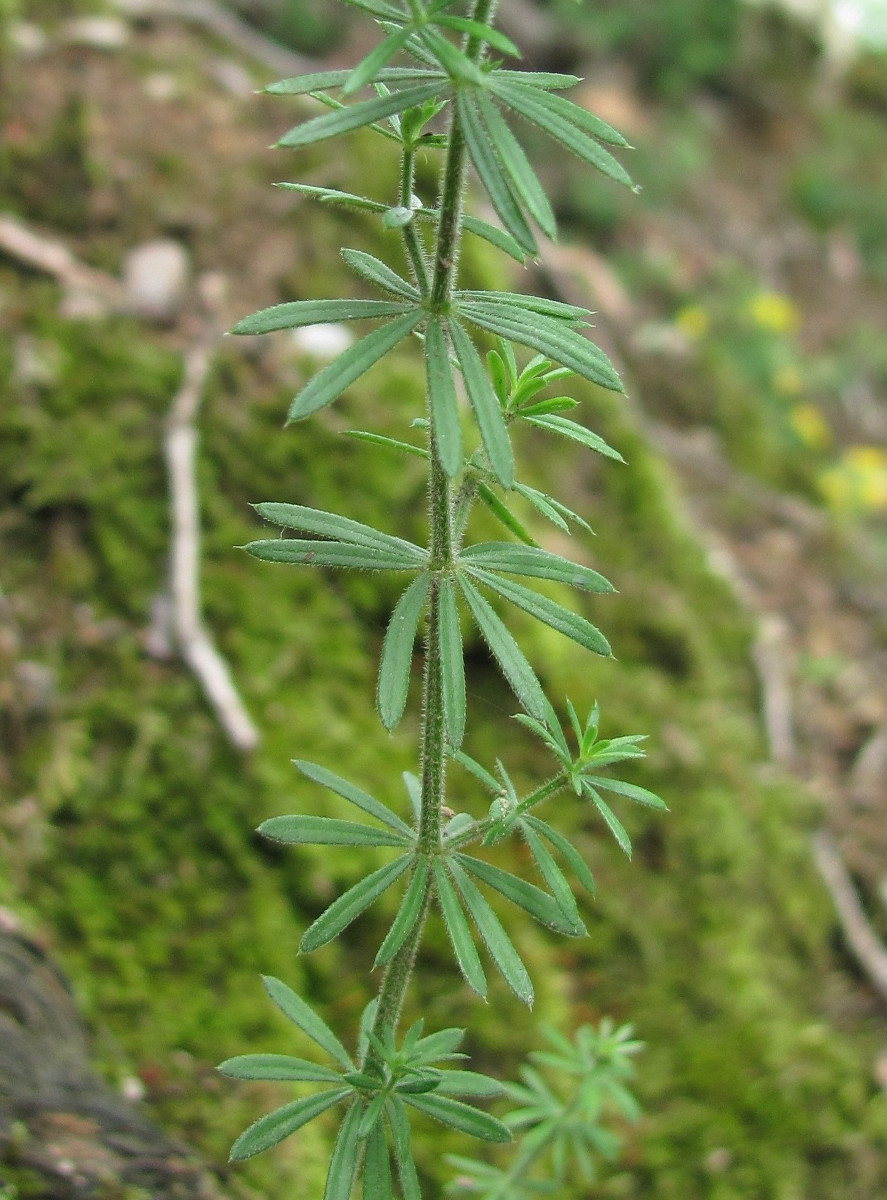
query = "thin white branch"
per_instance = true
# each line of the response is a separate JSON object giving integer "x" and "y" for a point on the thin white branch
{"x": 27, "y": 246}
{"x": 862, "y": 940}
{"x": 195, "y": 645}
{"x": 770, "y": 658}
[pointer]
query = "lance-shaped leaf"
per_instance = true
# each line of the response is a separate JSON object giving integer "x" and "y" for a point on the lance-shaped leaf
{"x": 349, "y": 906}
{"x": 504, "y": 514}
{"x": 483, "y": 33}
{"x": 491, "y": 174}
{"x": 296, "y": 1010}
{"x": 407, "y": 914}
{"x": 377, "y": 1167}
{"x": 552, "y": 874}
{"x": 565, "y": 848}
{"x": 322, "y": 81}
{"x": 442, "y": 398}
{"x": 343, "y": 1161}
{"x": 564, "y": 129}
{"x": 464, "y": 1117}
{"x": 577, "y": 433}
{"x": 507, "y": 653}
{"x": 508, "y": 302}
{"x": 524, "y": 183}
{"x": 555, "y": 339}
{"x": 343, "y": 529}
{"x": 277, "y": 1125}
{"x": 486, "y": 407}
{"x": 365, "y": 112}
{"x": 495, "y": 938}
{"x": 613, "y": 823}
{"x": 552, "y": 509}
{"x": 454, "y": 62}
{"x": 452, "y": 665}
{"x": 279, "y": 1067}
{"x": 317, "y": 312}
{"x": 379, "y": 439}
{"x": 631, "y": 791}
{"x": 527, "y": 896}
{"x": 306, "y": 830}
{"x": 495, "y": 236}
{"x": 300, "y": 552}
{"x": 353, "y": 794}
{"x": 533, "y": 561}
{"x": 329, "y": 383}
{"x": 537, "y": 79}
{"x": 367, "y": 70}
{"x": 400, "y": 1128}
{"x": 377, "y": 272}
{"x": 459, "y": 932}
{"x": 397, "y": 652}
{"x": 468, "y": 1083}
{"x": 549, "y": 611}
{"x": 334, "y": 196}
{"x": 575, "y": 114}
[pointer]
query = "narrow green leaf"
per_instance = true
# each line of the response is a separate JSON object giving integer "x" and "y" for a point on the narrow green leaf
{"x": 542, "y": 907}
{"x": 407, "y": 914}
{"x": 279, "y": 1067}
{"x": 277, "y": 1125}
{"x": 365, "y": 112}
{"x": 406, "y": 1168}
{"x": 484, "y": 33}
{"x": 368, "y": 68}
{"x": 508, "y": 302}
{"x": 468, "y": 1083}
{"x": 343, "y": 1161}
{"x": 397, "y": 652}
{"x": 576, "y": 114}
{"x": 491, "y": 175}
{"x": 577, "y": 432}
{"x": 566, "y": 849}
{"x": 301, "y": 85}
{"x": 499, "y": 238}
{"x": 343, "y": 529}
{"x": 296, "y": 1010}
{"x": 631, "y": 791}
{"x": 529, "y": 191}
{"x": 440, "y": 1045}
{"x": 442, "y": 398}
{"x": 372, "y": 1115}
{"x": 451, "y": 663}
{"x": 613, "y": 823}
{"x": 555, "y": 339}
{"x": 507, "y": 653}
{"x": 317, "y": 312}
{"x": 536, "y": 79}
{"x": 302, "y": 830}
{"x": 552, "y": 874}
{"x": 549, "y": 611}
{"x": 504, "y": 514}
{"x": 565, "y": 130}
{"x": 333, "y": 196}
{"x": 486, "y": 407}
{"x": 474, "y": 768}
{"x": 556, "y": 512}
{"x": 495, "y": 938}
{"x": 353, "y": 794}
{"x": 377, "y": 1167}
{"x": 300, "y": 552}
{"x": 375, "y": 271}
{"x": 378, "y": 439}
{"x": 464, "y": 1117}
{"x": 459, "y": 932}
{"x": 456, "y": 64}
{"x": 329, "y": 383}
{"x": 533, "y": 561}
{"x": 554, "y": 404}
{"x": 351, "y": 904}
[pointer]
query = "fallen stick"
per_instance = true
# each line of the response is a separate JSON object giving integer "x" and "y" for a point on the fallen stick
{"x": 54, "y": 258}
{"x": 862, "y": 940}
{"x": 195, "y": 645}
{"x": 225, "y": 25}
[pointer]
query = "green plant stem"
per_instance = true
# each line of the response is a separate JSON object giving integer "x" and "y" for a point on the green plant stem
{"x": 476, "y": 831}
{"x": 433, "y": 740}
{"x": 412, "y": 244}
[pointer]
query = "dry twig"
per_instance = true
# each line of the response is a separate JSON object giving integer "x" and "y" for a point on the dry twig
{"x": 862, "y": 940}
{"x": 197, "y": 649}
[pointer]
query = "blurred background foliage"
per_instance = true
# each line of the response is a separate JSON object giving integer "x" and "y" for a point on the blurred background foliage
{"x": 745, "y": 293}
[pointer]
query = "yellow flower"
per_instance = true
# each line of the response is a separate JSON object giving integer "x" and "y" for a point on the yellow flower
{"x": 692, "y": 320}
{"x": 810, "y": 426}
{"x": 858, "y": 482}
{"x": 774, "y": 312}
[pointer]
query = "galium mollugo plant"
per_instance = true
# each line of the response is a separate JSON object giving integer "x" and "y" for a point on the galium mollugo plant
{"x": 453, "y": 78}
